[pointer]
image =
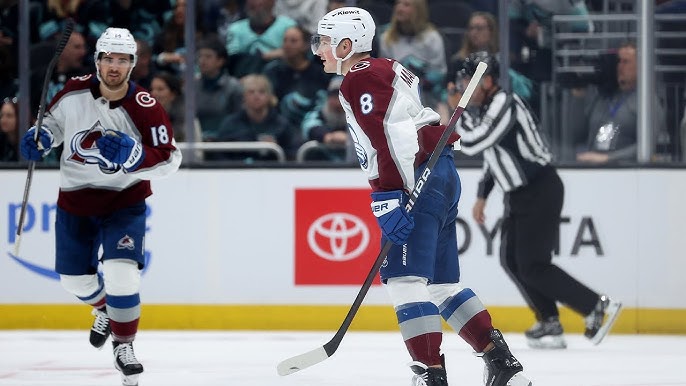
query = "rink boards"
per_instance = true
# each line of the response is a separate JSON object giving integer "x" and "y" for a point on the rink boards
{"x": 287, "y": 249}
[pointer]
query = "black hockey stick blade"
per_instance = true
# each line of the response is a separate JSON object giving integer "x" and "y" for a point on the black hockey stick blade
{"x": 64, "y": 39}
{"x": 319, "y": 354}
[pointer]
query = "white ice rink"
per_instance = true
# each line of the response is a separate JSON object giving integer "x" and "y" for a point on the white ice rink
{"x": 171, "y": 358}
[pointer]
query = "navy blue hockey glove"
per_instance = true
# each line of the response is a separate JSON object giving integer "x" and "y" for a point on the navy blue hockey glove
{"x": 29, "y": 146}
{"x": 389, "y": 209}
{"x": 121, "y": 149}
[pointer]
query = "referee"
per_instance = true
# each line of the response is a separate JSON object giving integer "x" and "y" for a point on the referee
{"x": 516, "y": 157}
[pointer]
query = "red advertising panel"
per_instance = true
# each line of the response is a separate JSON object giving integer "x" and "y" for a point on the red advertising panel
{"x": 336, "y": 236}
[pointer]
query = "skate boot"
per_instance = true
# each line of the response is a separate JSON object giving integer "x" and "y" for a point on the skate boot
{"x": 546, "y": 334}
{"x": 502, "y": 368}
{"x": 125, "y": 361}
{"x": 428, "y": 376}
{"x": 100, "y": 330}
{"x": 600, "y": 320}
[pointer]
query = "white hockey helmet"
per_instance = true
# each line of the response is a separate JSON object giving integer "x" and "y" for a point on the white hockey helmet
{"x": 118, "y": 41}
{"x": 353, "y": 23}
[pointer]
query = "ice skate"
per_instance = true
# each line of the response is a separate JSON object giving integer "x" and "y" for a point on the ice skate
{"x": 125, "y": 361}
{"x": 100, "y": 330}
{"x": 502, "y": 368}
{"x": 546, "y": 334}
{"x": 428, "y": 376}
{"x": 600, "y": 320}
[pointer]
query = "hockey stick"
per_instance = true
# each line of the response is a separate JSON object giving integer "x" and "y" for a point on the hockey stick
{"x": 310, "y": 358}
{"x": 39, "y": 121}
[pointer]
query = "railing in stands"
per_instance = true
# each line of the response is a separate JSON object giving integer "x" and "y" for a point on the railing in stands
{"x": 236, "y": 147}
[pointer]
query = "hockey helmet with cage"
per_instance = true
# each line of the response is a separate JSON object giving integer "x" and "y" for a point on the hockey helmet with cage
{"x": 351, "y": 23}
{"x": 472, "y": 61}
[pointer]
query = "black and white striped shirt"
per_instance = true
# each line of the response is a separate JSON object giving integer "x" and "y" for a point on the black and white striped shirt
{"x": 507, "y": 133}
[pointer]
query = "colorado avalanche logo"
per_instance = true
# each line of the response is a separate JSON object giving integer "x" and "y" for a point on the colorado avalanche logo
{"x": 144, "y": 99}
{"x": 359, "y": 150}
{"x": 85, "y": 151}
{"x": 126, "y": 242}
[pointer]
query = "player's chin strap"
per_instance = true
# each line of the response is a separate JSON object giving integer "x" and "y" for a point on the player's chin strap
{"x": 339, "y": 61}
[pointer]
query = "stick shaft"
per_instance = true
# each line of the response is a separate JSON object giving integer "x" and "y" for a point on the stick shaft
{"x": 39, "y": 122}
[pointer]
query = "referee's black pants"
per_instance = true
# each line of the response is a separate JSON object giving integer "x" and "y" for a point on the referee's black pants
{"x": 529, "y": 234}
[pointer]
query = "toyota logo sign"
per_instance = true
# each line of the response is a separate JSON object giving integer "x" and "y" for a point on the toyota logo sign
{"x": 342, "y": 236}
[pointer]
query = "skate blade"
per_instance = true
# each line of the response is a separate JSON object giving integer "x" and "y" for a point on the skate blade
{"x": 129, "y": 380}
{"x": 548, "y": 343}
{"x": 612, "y": 313}
{"x": 519, "y": 379}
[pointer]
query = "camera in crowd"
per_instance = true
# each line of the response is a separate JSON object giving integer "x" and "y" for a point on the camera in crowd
{"x": 602, "y": 72}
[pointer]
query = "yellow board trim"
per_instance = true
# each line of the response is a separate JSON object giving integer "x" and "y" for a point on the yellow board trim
{"x": 311, "y": 318}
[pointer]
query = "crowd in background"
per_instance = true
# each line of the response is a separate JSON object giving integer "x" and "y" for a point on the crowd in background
{"x": 257, "y": 80}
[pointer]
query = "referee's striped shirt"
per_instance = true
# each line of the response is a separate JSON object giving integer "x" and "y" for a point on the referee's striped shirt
{"x": 514, "y": 150}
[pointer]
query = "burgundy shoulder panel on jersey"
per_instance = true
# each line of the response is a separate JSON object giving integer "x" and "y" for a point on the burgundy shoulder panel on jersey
{"x": 73, "y": 84}
{"x": 153, "y": 123}
{"x": 368, "y": 87}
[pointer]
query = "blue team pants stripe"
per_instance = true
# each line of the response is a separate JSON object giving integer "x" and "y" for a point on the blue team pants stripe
{"x": 123, "y": 309}
{"x": 459, "y": 309}
{"x": 451, "y": 304}
{"x": 417, "y": 319}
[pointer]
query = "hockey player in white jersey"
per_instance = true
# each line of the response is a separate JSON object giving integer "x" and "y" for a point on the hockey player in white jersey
{"x": 394, "y": 136}
{"x": 116, "y": 138}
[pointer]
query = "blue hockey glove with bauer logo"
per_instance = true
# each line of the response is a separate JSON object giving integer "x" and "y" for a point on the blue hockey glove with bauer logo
{"x": 389, "y": 208}
{"x": 29, "y": 146}
{"x": 119, "y": 148}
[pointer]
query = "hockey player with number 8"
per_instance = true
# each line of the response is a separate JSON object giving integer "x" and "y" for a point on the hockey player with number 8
{"x": 116, "y": 138}
{"x": 394, "y": 134}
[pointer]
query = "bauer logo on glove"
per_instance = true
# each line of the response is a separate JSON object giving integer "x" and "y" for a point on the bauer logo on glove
{"x": 395, "y": 223}
{"x": 119, "y": 148}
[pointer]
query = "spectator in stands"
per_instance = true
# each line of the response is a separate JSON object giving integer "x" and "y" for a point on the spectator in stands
{"x": 70, "y": 63}
{"x": 145, "y": 68}
{"x": 217, "y": 93}
{"x": 482, "y": 35}
{"x": 167, "y": 89}
{"x": 170, "y": 47}
{"x": 326, "y": 124}
{"x": 218, "y": 15}
{"x": 144, "y": 18}
{"x": 683, "y": 136}
{"x": 9, "y": 131}
{"x": 297, "y": 81}
{"x": 305, "y": 12}
{"x": 611, "y": 120}
{"x": 258, "y": 120}
{"x": 92, "y": 18}
{"x": 256, "y": 40}
{"x": 413, "y": 41}
{"x": 531, "y": 33}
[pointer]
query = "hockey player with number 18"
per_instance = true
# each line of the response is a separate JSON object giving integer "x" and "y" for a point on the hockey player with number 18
{"x": 116, "y": 138}
{"x": 394, "y": 136}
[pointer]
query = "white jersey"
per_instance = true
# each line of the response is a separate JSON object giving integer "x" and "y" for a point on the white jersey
{"x": 392, "y": 131}
{"x": 90, "y": 184}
